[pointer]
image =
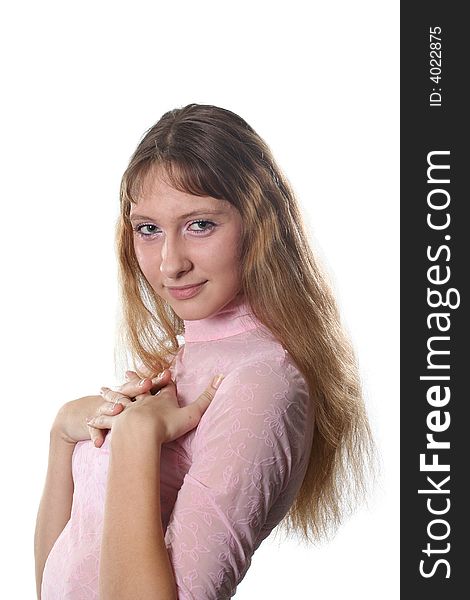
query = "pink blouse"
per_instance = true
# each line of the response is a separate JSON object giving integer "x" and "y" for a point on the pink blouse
{"x": 224, "y": 485}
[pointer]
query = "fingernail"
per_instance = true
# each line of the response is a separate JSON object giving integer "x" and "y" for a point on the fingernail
{"x": 141, "y": 382}
{"x": 159, "y": 377}
{"x": 217, "y": 381}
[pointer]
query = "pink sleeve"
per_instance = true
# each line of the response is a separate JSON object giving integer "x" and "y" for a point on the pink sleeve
{"x": 250, "y": 446}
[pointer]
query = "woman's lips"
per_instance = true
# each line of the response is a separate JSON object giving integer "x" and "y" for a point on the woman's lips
{"x": 186, "y": 292}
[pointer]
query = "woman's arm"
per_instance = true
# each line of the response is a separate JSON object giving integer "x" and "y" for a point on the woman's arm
{"x": 56, "y": 502}
{"x": 249, "y": 456}
{"x": 68, "y": 428}
{"x": 134, "y": 561}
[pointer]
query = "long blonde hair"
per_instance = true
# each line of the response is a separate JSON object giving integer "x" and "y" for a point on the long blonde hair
{"x": 210, "y": 151}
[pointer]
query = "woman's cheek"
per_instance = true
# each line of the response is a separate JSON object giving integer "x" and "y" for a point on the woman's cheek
{"x": 149, "y": 263}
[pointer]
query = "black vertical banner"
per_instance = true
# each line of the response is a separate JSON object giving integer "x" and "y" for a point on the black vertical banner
{"x": 435, "y": 268}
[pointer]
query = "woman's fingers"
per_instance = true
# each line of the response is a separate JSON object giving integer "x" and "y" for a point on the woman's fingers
{"x": 202, "y": 403}
{"x": 100, "y": 422}
{"x": 194, "y": 411}
{"x": 115, "y": 407}
{"x": 96, "y": 436}
{"x": 106, "y": 413}
{"x": 161, "y": 379}
{"x": 115, "y": 401}
{"x": 96, "y": 429}
{"x": 137, "y": 386}
{"x": 164, "y": 382}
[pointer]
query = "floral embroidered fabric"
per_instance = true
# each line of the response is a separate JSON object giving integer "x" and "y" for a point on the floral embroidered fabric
{"x": 225, "y": 485}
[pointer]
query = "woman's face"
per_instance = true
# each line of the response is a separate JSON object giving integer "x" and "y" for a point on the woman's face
{"x": 188, "y": 248}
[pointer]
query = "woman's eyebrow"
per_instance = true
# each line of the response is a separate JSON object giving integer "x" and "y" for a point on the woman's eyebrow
{"x": 193, "y": 213}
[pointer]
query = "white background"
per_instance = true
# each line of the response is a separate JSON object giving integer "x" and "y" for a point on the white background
{"x": 83, "y": 81}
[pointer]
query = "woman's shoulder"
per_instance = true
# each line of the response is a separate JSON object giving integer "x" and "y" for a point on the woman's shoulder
{"x": 268, "y": 355}
{"x": 262, "y": 376}
{"x": 263, "y": 401}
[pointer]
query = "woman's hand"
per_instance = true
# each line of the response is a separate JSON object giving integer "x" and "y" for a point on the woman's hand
{"x": 103, "y": 419}
{"x": 161, "y": 412}
{"x": 71, "y": 425}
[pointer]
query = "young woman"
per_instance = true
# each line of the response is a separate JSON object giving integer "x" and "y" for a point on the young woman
{"x": 257, "y": 419}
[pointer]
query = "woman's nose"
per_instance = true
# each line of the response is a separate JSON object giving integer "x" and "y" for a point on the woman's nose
{"x": 175, "y": 260}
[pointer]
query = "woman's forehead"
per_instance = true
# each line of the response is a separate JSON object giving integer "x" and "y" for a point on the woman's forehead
{"x": 158, "y": 175}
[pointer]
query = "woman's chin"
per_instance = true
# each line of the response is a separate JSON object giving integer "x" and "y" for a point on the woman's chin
{"x": 200, "y": 306}
{"x": 195, "y": 309}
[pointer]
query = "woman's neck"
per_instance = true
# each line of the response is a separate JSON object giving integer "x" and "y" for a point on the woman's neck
{"x": 233, "y": 318}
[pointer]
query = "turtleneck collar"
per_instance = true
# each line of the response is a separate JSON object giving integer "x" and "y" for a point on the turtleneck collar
{"x": 234, "y": 318}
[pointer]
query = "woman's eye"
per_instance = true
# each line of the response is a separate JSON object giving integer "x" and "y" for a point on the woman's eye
{"x": 202, "y": 226}
{"x": 146, "y": 229}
